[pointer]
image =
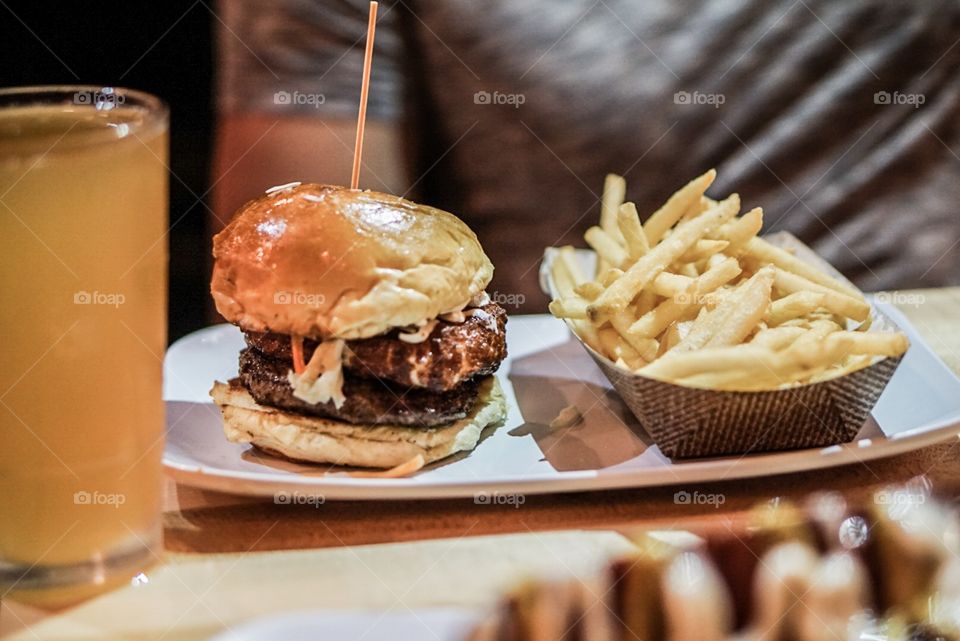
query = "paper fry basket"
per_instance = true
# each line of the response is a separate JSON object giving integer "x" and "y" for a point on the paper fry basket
{"x": 687, "y": 422}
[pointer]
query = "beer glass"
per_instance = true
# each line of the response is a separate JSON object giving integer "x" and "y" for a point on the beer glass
{"x": 83, "y": 250}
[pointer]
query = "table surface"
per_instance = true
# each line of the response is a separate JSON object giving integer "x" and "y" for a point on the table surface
{"x": 229, "y": 559}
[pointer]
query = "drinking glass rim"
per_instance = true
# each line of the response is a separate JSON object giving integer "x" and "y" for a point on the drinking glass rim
{"x": 154, "y": 112}
{"x": 156, "y": 107}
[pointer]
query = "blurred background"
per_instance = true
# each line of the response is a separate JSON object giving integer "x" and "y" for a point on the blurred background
{"x": 841, "y": 119}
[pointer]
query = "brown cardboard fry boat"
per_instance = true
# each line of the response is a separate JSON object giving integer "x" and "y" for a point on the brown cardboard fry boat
{"x": 687, "y": 422}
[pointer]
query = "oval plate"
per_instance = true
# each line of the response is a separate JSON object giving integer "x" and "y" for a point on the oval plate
{"x": 545, "y": 372}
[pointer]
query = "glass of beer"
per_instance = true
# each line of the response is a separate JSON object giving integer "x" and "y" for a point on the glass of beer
{"x": 83, "y": 250}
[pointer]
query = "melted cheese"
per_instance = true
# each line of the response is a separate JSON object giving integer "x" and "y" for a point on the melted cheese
{"x": 322, "y": 380}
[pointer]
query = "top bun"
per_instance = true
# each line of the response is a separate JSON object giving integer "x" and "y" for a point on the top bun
{"x": 331, "y": 262}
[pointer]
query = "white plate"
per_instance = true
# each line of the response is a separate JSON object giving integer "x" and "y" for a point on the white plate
{"x": 546, "y": 371}
{"x": 436, "y": 624}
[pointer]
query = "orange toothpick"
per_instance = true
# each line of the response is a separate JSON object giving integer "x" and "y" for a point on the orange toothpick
{"x": 364, "y": 92}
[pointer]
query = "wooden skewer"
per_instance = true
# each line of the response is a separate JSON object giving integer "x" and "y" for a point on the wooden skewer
{"x": 364, "y": 92}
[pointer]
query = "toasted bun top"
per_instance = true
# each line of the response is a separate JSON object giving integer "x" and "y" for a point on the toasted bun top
{"x": 325, "y": 261}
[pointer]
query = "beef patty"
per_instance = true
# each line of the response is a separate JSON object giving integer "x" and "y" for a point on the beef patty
{"x": 451, "y": 354}
{"x": 369, "y": 401}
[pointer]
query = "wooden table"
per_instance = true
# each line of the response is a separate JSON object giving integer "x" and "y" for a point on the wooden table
{"x": 230, "y": 558}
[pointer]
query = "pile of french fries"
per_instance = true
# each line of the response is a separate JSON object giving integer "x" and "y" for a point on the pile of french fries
{"x": 693, "y": 296}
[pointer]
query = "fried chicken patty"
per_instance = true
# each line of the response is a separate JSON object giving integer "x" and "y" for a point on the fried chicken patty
{"x": 451, "y": 354}
{"x": 368, "y": 401}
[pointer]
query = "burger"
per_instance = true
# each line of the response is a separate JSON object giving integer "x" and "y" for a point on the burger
{"x": 370, "y": 339}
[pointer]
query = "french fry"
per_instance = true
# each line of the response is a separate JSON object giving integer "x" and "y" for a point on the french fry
{"x": 561, "y": 279}
{"x": 802, "y": 323}
{"x": 631, "y": 230}
{"x": 686, "y": 269}
{"x": 567, "y": 276}
{"x": 665, "y": 217}
{"x": 763, "y": 252}
{"x": 614, "y": 190}
{"x": 715, "y": 260}
{"x": 703, "y": 249}
{"x": 723, "y": 367}
{"x": 404, "y": 469}
{"x": 619, "y": 294}
{"x": 645, "y": 302}
{"x": 589, "y": 290}
{"x": 848, "y": 306}
{"x": 872, "y": 344}
{"x": 613, "y": 346}
{"x": 610, "y": 276}
{"x": 712, "y": 299}
{"x": 777, "y": 338}
{"x": 699, "y": 206}
{"x": 568, "y": 257}
{"x": 747, "y": 305}
{"x": 772, "y": 371}
{"x": 848, "y": 366}
{"x": 669, "y": 339}
{"x": 694, "y": 297}
{"x": 569, "y": 307}
{"x": 667, "y": 284}
{"x": 608, "y": 249}
{"x": 745, "y": 367}
{"x": 645, "y": 347}
{"x": 740, "y": 231}
{"x": 686, "y": 327}
{"x": 819, "y": 329}
{"x": 734, "y": 318}
{"x": 793, "y": 306}
{"x": 702, "y": 204}
{"x": 566, "y": 270}
{"x": 703, "y": 327}
{"x": 811, "y": 357}
{"x": 663, "y": 315}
